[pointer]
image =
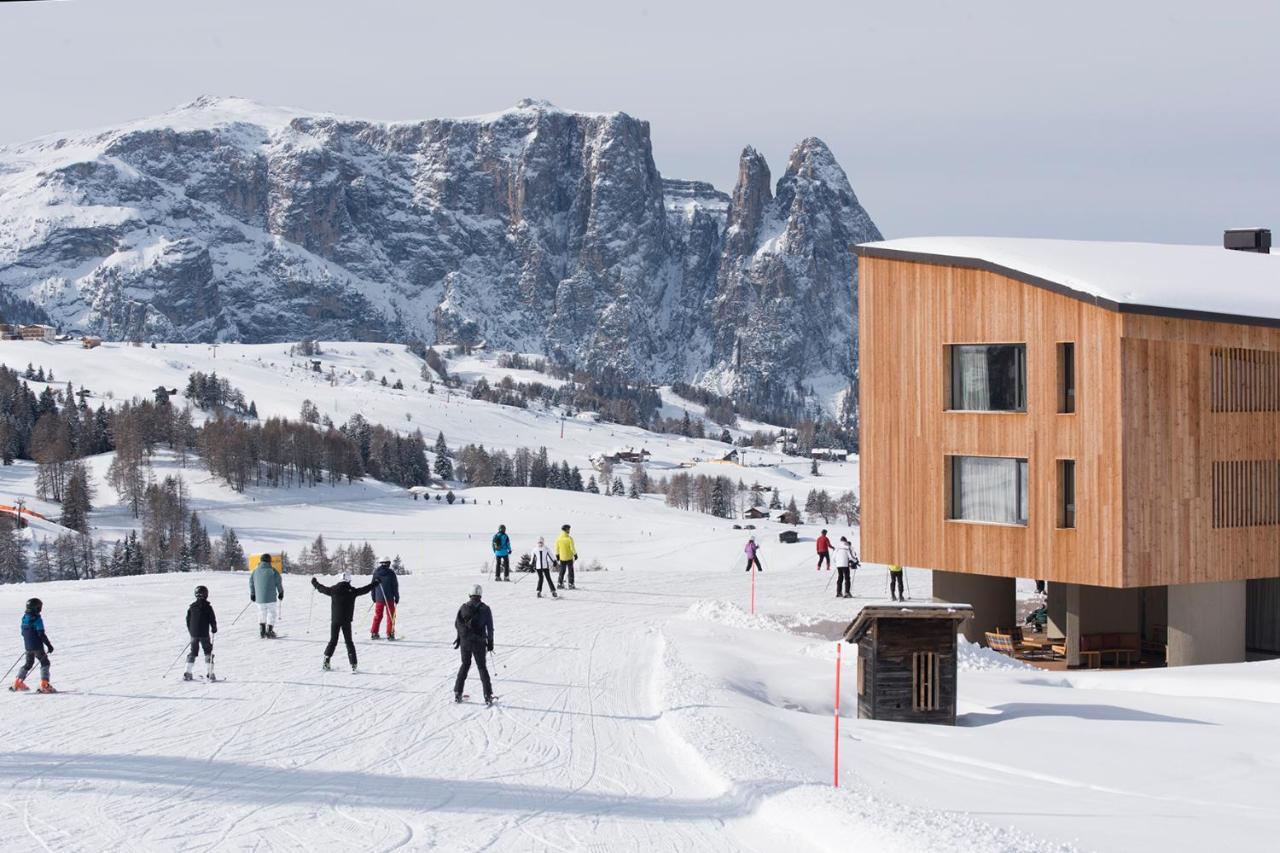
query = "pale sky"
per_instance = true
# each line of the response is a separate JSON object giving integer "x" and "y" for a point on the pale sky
{"x": 1100, "y": 120}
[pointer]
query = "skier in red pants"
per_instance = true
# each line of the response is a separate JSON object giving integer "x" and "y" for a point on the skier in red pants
{"x": 386, "y": 595}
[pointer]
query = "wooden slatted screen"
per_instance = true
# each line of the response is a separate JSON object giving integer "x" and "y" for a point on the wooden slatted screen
{"x": 924, "y": 681}
{"x": 1244, "y": 380}
{"x": 1246, "y": 493}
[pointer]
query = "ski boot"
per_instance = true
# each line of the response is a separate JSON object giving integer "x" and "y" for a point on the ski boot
{"x": 46, "y": 687}
{"x": 488, "y": 700}
{"x": 539, "y": 595}
{"x": 354, "y": 669}
{"x": 325, "y": 666}
{"x": 19, "y": 686}
{"x": 374, "y": 635}
{"x": 187, "y": 676}
{"x": 209, "y": 670}
{"x": 262, "y": 630}
{"x": 271, "y": 632}
{"x": 457, "y": 698}
{"x": 553, "y": 594}
{"x": 391, "y": 635}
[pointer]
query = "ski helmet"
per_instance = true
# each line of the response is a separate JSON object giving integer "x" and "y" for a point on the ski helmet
{"x": 34, "y": 605}
{"x": 384, "y": 564}
{"x": 565, "y": 528}
{"x": 541, "y": 541}
{"x": 202, "y": 592}
{"x": 344, "y": 576}
{"x": 502, "y": 528}
{"x": 476, "y": 591}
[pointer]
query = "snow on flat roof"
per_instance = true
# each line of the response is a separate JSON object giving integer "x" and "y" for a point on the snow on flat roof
{"x": 1177, "y": 277}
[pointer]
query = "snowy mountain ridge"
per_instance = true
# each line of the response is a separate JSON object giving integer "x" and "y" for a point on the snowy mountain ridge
{"x": 534, "y": 229}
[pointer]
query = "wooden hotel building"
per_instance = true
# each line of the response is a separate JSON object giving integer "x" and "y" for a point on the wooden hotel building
{"x": 1101, "y": 416}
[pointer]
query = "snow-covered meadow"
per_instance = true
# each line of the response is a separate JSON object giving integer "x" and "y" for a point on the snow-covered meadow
{"x": 645, "y": 710}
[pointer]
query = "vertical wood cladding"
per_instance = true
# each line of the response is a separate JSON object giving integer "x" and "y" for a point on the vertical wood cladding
{"x": 908, "y": 313}
{"x": 1161, "y": 405}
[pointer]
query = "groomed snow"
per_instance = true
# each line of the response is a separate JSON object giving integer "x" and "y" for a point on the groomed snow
{"x": 1185, "y": 278}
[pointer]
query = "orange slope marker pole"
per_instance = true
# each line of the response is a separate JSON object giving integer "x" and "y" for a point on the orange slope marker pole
{"x": 835, "y": 759}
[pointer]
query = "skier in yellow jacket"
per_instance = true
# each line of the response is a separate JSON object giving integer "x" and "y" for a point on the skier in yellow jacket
{"x": 566, "y": 553}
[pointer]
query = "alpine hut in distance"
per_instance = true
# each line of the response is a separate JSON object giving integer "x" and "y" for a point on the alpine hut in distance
{"x": 907, "y": 661}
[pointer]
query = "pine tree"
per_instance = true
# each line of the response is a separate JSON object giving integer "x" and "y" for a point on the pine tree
{"x": 443, "y": 466}
{"x": 397, "y": 565}
{"x": 233, "y": 558}
{"x": 575, "y": 479}
{"x": 76, "y": 503}
{"x": 719, "y": 500}
{"x": 450, "y": 497}
{"x": 617, "y": 489}
{"x": 366, "y": 560}
{"x": 793, "y": 512}
{"x": 813, "y": 467}
{"x": 775, "y": 500}
{"x": 43, "y": 567}
{"x": 320, "y": 556}
{"x": 591, "y": 485}
{"x": 13, "y": 557}
{"x": 633, "y": 492}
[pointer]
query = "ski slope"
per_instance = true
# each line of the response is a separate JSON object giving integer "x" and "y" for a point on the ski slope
{"x": 645, "y": 710}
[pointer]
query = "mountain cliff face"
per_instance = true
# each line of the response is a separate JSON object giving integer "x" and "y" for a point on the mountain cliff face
{"x": 534, "y": 229}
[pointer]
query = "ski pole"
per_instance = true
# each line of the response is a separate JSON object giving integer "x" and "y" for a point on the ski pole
{"x": 311, "y": 607}
{"x": 241, "y": 613}
{"x": 828, "y": 586}
{"x": 15, "y": 663}
{"x": 185, "y": 646}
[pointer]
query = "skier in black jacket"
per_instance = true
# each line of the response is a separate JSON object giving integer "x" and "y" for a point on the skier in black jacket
{"x": 474, "y": 625}
{"x": 342, "y": 609}
{"x": 201, "y": 623}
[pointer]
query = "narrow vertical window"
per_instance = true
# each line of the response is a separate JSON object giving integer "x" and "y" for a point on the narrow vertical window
{"x": 1066, "y": 493}
{"x": 1066, "y": 377}
{"x": 924, "y": 681}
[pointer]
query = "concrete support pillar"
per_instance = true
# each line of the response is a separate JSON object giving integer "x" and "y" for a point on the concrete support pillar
{"x": 1072, "y": 607}
{"x": 992, "y": 598}
{"x": 1057, "y": 603}
{"x": 1207, "y": 623}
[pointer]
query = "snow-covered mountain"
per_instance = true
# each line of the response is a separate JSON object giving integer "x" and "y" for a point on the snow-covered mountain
{"x": 535, "y": 229}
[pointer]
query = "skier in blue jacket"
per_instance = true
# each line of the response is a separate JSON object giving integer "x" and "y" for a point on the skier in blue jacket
{"x": 36, "y": 644}
{"x": 501, "y": 554}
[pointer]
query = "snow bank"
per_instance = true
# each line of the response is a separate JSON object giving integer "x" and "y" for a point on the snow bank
{"x": 975, "y": 658}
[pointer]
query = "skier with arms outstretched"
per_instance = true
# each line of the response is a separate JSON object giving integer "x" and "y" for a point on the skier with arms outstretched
{"x": 342, "y": 609}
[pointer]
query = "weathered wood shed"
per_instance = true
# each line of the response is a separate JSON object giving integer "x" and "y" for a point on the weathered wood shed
{"x": 907, "y": 661}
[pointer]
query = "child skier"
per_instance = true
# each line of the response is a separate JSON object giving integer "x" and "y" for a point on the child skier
{"x": 543, "y": 560}
{"x": 201, "y": 623}
{"x": 752, "y": 550}
{"x": 37, "y": 646}
{"x": 386, "y": 598}
{"x": 342, "y": 609}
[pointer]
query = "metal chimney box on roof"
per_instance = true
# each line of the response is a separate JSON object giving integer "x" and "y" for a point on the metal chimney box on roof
{"x": 1247, "y": 240}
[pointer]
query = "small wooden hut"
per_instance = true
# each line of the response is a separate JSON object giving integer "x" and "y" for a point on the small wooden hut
{"x": 907, "y": 661}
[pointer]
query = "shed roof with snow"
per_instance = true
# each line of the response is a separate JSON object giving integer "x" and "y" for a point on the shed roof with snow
{"x": 1195, "y": 282}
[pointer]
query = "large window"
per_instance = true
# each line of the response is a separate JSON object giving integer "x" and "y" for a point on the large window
{"x": 989, "y": 488}
{"x": 988, "y": 377}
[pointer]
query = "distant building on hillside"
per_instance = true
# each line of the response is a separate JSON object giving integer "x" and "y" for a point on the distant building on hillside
{"x": 1101, "y": 416}
{"x": 626, "y": 455}
{"x": 90, "y": 342}
{"x": 829, "y": 454}
{"x": 755, "y": 512}
{"x": 9, "y": 332}
{"x": 37, "y": 332}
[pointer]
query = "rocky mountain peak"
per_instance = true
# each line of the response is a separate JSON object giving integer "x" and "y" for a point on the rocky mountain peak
{"x": 535, "y": 229}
